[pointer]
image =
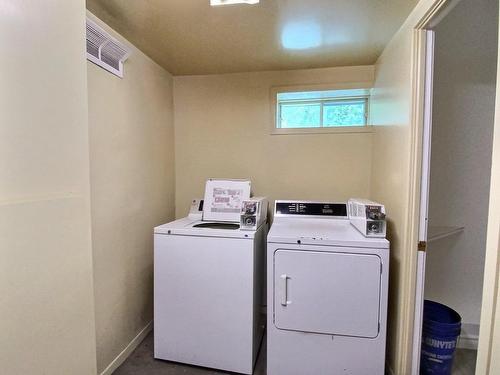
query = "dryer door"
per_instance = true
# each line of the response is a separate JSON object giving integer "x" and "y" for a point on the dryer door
{"x": 326, "y": 292}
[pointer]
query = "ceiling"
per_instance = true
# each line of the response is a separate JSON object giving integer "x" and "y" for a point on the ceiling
{"x": 190, "y": 37}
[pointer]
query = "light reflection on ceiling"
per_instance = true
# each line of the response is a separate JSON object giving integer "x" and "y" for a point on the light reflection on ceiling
{"x": 299, "y": 35}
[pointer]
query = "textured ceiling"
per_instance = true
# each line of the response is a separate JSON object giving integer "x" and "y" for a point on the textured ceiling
{"x": 190, "y": 37}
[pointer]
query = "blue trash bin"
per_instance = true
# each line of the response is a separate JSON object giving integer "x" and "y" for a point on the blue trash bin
{"x": 440, "y": 331}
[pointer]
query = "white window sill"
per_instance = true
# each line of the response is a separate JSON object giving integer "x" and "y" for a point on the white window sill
{"x": 332, "y": 130}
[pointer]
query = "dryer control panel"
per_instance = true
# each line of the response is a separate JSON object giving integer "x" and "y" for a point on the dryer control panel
{"x": 314, "y": 209}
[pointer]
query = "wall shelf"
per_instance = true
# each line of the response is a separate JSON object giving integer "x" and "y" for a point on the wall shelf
{"x": 438, "y": 232}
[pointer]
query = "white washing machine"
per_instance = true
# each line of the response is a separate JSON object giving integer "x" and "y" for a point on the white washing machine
{"x": 327, "y": 293}
{"x": 207, "y": 293}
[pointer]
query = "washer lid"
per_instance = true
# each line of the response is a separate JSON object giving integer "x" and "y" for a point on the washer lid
{"x": 189, "y": 227}
{"x": 316, "y": 231}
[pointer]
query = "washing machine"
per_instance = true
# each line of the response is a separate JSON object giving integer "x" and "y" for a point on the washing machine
{"x": 208, "y": 285}
{"x": 327, "y": 293}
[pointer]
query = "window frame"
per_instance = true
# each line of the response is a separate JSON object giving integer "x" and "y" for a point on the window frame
{"x": 275, "y": 109}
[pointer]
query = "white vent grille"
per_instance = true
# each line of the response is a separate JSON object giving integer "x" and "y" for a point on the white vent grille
{"x": 104, "y": 50}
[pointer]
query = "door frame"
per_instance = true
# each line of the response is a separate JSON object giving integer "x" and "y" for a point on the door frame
{"x": 489, "y": 329}
{"x": 424, "y": 201}
{"x": 489, "y": 335}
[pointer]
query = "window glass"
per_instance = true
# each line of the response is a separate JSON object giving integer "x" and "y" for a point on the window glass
{"x": 300, "y": 115}
{"x": 317, "y": 109}
{"x": 344, "y": 113}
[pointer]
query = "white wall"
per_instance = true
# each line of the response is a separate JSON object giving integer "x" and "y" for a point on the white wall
{"x": 46, "y": 295}
{"x": 132, "y": 186}
{"x": 222, "y": 129}
{"x": 463, "y": 114}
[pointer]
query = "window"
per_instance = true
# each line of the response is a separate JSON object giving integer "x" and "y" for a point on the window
{"x": 322, "y": 109}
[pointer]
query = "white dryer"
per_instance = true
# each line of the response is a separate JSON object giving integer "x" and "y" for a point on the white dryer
{"x": 208, "y": 283}
{"x": 327, "y": 293}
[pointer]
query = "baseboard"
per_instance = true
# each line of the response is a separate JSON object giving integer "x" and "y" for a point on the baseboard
{"x": 128, "y": 350}
{"x": 469, "y": 336}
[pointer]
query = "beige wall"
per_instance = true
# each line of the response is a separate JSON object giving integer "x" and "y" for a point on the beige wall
{"x": 392, "y": 111}
{"x": 132, "y": 186}
{"x": 390, "y": 108}
{"x": 46, "y": 295}
{"x": 222, "y": 129}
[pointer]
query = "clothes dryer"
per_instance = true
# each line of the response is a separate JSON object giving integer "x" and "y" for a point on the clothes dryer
{"x": 327, "y": 293}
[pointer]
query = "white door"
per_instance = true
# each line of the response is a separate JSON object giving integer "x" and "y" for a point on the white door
{"x": 424, "y": 203}
{"x": 326, "y": 292}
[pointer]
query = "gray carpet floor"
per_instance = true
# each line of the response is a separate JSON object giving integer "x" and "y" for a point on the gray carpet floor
{"x": 464, "y": 362}
{"x": 141, "y": 362}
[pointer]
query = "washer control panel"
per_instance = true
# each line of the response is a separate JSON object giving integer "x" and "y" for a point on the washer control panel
{"x": 253, "y": 213}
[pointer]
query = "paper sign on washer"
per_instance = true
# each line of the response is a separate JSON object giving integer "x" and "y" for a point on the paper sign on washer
{"x": 223, "y": 199}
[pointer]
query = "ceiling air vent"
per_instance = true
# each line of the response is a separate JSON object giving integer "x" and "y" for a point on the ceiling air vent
{"x": 104, "y": 50}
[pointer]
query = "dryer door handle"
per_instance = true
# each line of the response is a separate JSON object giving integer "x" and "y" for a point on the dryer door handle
{"x": 284, "y": 289}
